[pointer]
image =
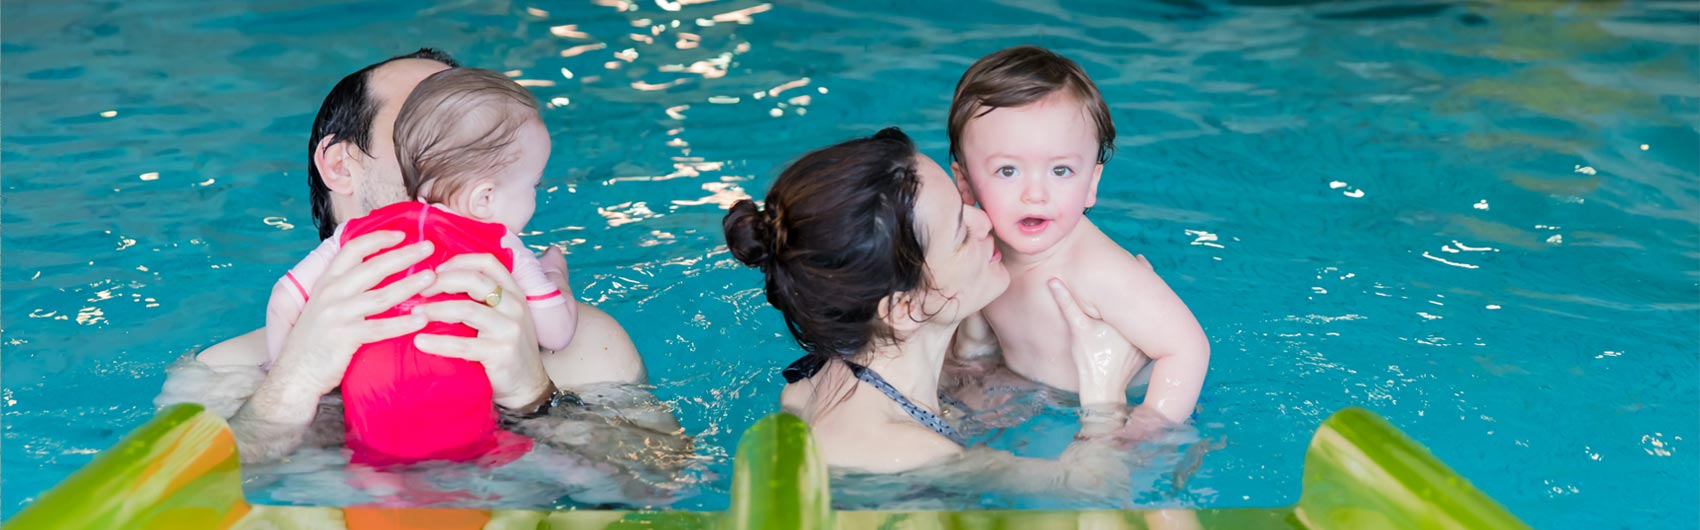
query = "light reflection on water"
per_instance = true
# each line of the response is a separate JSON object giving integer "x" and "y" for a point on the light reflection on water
{"x": 1497, "y": 195}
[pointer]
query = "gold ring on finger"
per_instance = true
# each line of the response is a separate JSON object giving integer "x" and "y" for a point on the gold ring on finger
{"x": 494, "y": 298}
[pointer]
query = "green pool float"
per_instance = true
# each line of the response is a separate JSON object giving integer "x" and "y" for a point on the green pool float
{"x": 181, "y": 470}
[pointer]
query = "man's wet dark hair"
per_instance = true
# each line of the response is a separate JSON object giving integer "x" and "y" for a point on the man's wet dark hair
{"x": 346, "y": 116}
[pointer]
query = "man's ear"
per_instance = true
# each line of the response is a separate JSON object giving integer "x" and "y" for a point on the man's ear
{"x": 482, "y": 200}
{"x": 1092, "y": 192}
{"x": 962, "y": 186}
{"x": 902, "y": 312}
{"x": 335, "y": 162}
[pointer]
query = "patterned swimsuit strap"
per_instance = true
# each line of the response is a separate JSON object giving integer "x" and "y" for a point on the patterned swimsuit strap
{"x": 932, "y": 421}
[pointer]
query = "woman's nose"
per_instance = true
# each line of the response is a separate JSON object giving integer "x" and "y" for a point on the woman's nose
{"x": 979, "y": 224}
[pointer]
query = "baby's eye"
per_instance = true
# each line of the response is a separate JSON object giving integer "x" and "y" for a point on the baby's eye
{"x": 1006, "y": 171}
{"x": 1062, "y": 171}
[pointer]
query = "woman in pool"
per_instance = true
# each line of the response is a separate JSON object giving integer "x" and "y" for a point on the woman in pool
{"x": 874, "y": 261}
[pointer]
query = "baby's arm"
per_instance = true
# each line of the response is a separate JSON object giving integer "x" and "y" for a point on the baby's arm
{"x": 553, "y": 313}
{"x": 974, "y": 339}
{"x": 289, "y": 294}
{"x": 1149, "y": 314}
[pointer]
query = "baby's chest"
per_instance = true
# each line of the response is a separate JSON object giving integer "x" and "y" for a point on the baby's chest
{"x": 1028, "y": 323}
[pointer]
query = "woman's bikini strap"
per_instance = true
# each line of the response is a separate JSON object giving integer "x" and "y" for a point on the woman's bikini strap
{"x": 925, "y": 417}
{"x": 809, "y": 365}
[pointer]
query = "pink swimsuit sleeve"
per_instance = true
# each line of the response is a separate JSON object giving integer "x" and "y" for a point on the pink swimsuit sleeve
{"x": 540, "y": 292}
{"x": 553, "y": 313}
{"x": 307, "y": 273}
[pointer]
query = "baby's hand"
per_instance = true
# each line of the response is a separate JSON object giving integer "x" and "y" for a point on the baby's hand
{"x": 555, "y": 267}
{"x": 974, "y": 339}
{"x": 972, "y": 352}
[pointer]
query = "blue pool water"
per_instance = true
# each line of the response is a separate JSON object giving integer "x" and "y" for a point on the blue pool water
{"x": 1480, "y": 220}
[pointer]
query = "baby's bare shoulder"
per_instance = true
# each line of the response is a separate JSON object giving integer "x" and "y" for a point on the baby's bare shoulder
{"x": 1106, "y": 270}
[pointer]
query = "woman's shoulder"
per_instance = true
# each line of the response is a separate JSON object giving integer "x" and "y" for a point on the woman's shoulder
{"x": 794, "y": 398}
{"x": 882, "y": 446}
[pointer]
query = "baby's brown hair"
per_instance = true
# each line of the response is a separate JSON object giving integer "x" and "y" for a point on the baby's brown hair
{"x": 456, "y": 127}
{"x": 1021, "y": 75}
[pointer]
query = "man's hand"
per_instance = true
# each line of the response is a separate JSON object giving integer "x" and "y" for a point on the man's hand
{"x": 334, "y": 323}
{"x": 507, "y": 340}
{"x": 332, "y": 326}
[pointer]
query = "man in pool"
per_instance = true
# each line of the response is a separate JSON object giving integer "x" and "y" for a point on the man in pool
{"x": 352, "y": 169}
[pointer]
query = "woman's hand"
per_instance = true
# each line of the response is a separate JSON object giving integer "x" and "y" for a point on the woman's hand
{"x": 1105, "y": 361}
{"x": 1103, "y": 358}
{"x": 506, "y": 343}
{"x": 1099, "y": 468}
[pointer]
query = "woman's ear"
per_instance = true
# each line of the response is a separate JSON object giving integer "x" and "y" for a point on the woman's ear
{"x": 481, "y": 200}
{"x": 336, "y": 161}
{"x": 902, "y": 312}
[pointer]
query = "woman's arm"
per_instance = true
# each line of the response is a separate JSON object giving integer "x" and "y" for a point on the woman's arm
{"x": 1091, "y": 469}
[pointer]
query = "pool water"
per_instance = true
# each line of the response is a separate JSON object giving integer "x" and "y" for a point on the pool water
{"x": 1479, "y": 220}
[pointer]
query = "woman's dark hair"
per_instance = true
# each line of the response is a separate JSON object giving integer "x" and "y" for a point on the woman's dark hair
{"x": 836, "y": 236}
{"x": 346, "y": 116}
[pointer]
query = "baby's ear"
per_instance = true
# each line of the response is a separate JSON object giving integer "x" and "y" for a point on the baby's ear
{"x": 962, "y": 186}
{"x": 1092, "y": 190}
{"x": 481, "y": 200}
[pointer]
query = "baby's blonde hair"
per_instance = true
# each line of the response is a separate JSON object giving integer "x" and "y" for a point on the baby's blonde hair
{"x": 456, "y": 127}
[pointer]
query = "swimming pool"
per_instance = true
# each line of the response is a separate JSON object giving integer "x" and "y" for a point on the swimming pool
{"x": 1477, "y": 221}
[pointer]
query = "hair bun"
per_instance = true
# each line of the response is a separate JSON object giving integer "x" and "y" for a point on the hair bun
{"x": 749, "y": 234}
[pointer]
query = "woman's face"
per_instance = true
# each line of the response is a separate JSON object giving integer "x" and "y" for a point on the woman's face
{"x": 962, "y": 260}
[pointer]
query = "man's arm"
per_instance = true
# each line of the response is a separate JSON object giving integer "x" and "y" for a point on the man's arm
{"x": 220, "y": 379}
{"x": 274, "y": 420}
{"x": 247, "y": 349}
{"x": 600, "y": 353}
{"x": 602, "y": 365}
